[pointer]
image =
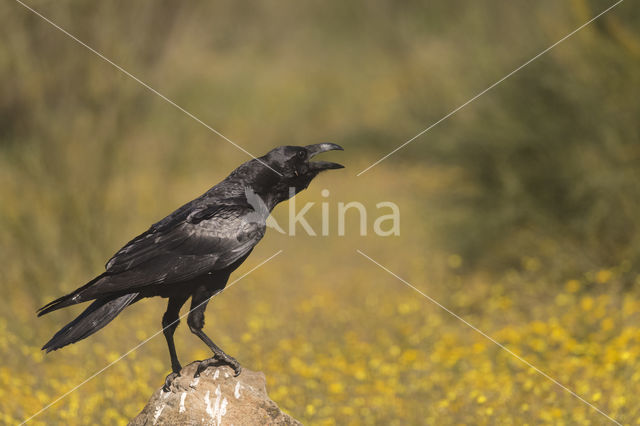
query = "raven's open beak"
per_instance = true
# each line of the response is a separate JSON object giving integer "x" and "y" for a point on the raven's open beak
{"x": 320, "y": 148}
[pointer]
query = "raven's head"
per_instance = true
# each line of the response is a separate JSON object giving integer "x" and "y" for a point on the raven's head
{"x": 286, "y": 170}
{"x": 295, "y": 165}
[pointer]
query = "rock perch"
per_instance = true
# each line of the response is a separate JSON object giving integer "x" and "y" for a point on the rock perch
{"x": 215, "y": 398}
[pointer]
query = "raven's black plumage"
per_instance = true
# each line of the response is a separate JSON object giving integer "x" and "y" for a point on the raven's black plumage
{"x": 192, "y": 252}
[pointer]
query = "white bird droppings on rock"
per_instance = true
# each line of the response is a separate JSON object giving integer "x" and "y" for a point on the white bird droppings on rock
{"x": 158, "y": 412}
{"x": 182, "y": 398}
{"x": 223, "y": 410}
{"x": 236, "y": 391}
{"x": 216, "y": 407}
{"x": 194, "y": 383}
{"x": 207, "y": 401}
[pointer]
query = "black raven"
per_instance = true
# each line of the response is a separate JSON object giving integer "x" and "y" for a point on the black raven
{"x": 192, "y": 252}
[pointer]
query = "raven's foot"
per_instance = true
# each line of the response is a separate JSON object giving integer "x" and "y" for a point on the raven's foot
{"x": 219, "y": 359}
{"x": 167, "y": 382}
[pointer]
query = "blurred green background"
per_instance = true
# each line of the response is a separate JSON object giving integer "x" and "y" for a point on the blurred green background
{"x": 520, "y": 212}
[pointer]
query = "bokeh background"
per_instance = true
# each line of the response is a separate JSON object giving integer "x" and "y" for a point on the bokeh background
{"x": 520, "y": 213}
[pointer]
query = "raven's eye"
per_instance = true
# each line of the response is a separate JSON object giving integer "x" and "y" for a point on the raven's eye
{"x": 302, "y": 154}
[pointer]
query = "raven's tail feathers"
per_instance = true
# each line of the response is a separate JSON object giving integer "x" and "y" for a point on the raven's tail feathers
{"x": 96, "y": 316}
{"x": 68, "y": 299}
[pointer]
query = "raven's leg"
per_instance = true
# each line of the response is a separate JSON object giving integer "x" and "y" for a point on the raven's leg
{"x": 170, "y": 321}
{"x": 199, "y": 301}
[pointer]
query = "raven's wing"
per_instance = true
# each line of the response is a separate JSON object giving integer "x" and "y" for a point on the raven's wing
{"x": 207, "y": 239}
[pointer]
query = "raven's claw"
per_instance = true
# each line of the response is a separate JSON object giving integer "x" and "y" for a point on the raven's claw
{"x": 218, "y": 360}
{"x": 167, "y": 382}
